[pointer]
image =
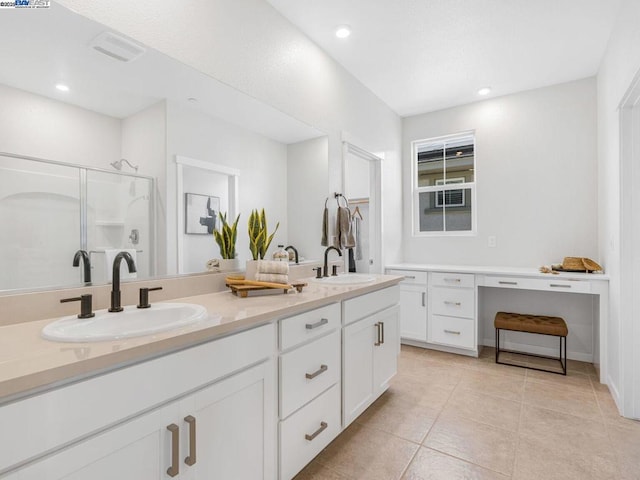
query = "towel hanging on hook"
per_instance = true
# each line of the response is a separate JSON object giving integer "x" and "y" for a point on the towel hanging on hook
{"x": 324, "y": 241}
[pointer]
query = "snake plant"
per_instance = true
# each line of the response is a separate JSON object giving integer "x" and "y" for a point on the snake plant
{"x": 226, "y": 237}
{"x": 259, "y": 239}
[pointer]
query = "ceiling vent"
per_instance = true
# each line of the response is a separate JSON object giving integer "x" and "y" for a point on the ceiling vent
{"x": 117, "y": 47}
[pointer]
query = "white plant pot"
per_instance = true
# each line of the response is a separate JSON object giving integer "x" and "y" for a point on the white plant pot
{"x": 229, "y": 264}
{"x": 252, "y": 269}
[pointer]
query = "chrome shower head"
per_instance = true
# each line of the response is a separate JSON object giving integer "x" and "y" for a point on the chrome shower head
{"x": 117, "y": 164}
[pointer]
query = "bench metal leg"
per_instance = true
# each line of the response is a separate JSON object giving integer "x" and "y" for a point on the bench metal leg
{"x": 562, "y": 355}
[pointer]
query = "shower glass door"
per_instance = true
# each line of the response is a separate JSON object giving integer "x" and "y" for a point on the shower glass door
{"x": 39, "y": 227}
{"x": 119, "y": 217}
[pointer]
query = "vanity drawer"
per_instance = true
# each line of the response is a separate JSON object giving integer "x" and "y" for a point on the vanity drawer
{"x": 365, "y": 305}
{"x": 455, "y": 302}
{"x": 410, "y": 276}
{"x": 308, "y": 325}
{"x": 307, "y": 371}
{"x": 452, "y": 331}
{"x": 548, "y": 284}
{"x": 441, "y": 279}
{"x": 305, "y": 433}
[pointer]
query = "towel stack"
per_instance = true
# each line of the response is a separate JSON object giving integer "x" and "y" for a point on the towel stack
{"x": 274, "y": 272}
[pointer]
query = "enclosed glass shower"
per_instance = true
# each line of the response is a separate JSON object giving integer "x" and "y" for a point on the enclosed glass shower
{"x": 49, "y": 210}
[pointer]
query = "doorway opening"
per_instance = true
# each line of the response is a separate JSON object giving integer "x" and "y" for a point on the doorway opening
{"x": 362, "y": 174}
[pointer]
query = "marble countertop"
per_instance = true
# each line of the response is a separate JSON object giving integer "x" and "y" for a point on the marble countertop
{"x": 29, "y": 363}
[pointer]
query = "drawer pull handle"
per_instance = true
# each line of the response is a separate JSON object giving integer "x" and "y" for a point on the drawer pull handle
{"x": 174, "y": 469}
{"x": 323, "y": 427}
{"x": 456, "y": 280}
{"x": 191, "y": 459}
{"x": 378, "y": 342}
{"x": 424, "y": 299}
{"x": 507, "y": 283}
{"x": 410, "y": 277}
{"x": 452, "y": 332}
{"x": 382, "y": 333}
{"x": 322, "y": 369}
{"x": 559, "y": 285}
{"x": 311, "y": 326}
{"x": 456, "y": 304}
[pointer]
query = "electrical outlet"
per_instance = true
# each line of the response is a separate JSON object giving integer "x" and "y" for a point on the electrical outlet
{"x": 491, "y": 241}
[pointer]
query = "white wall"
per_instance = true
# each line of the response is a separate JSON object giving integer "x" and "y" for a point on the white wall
{"x": 263, "y": 172}
{"x": 144, "y": 143}
{"x": 307, "y": 179}
{"x": 37, "y": 126}
{"x": 269, "y": 59}
{"x": 536, "y": 174}
{"x": 619, "y": 66}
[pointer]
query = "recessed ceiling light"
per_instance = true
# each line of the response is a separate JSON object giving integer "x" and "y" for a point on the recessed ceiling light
{"x": 484, "y": 91}
{"x": 343, "y": 31}
{"x": 192, "y": 99}
{"x": 62, "y": 87}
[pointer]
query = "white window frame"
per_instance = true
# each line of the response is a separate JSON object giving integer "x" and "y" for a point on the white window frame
{"x": 442, "y": 186}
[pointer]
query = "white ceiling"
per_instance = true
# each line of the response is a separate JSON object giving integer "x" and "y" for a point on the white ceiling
{"x": 425, "y": 55}
{"x": 58, "y": 51}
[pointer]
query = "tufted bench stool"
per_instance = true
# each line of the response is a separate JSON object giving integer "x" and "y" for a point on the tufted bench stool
{"x": 518, "y": 322}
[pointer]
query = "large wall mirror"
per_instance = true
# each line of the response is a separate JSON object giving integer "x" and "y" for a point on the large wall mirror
{"x": 77, "y": 98}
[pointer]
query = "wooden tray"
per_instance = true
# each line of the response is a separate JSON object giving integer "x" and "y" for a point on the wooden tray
{"x": 244, "y": 291}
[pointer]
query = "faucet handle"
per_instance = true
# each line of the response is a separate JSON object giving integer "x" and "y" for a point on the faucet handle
{"x": 144, "y": 296}
{"x": 318, "y": 271}
{"x": 334, "y": 270}
{"x": 86, "y": 306}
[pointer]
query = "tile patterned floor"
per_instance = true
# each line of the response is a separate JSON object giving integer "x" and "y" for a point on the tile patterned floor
{"x": 449, "y": 417}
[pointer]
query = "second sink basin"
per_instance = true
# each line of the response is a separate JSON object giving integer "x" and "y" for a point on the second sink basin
{"x": 132, "y": 322}
{"x": 346, "y": 279}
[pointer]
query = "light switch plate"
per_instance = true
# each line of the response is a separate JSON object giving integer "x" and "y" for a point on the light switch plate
{"x": 491, "y": 241}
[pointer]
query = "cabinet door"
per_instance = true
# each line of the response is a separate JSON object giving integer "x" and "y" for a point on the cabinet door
{"x": 358, "y": 344}
{"x": 413, "y": 312}
{"x": 385, "y": 355}
{"x": 139, "y": 449}
{"x": 235, "y": 427}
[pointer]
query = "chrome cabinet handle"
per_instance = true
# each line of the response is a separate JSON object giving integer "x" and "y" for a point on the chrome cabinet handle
{"x": 311, "y": 326}
{"x": 500, "y": 282}
{"x": 558, "y": 285}
{"x": 452, "y": 331}
{"x": 174, "y": 469}
{"x": 410, "y": 277}
{"x": 456, "y": 280}
{"x": 378, "y": 342}
{"x": 322, "y": 369}
{"x": 382, "y": 333}
{"x": 323, "y": 426}
{"x": 191, "y": 458}
{"x": 456, "y": 304}
{"x": 424, "y": 299}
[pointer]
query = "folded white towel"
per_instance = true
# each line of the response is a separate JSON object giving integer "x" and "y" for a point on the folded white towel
{"x": 266, "y": 266}
{"x": 272, "y": 277}
{"x": 110, "y": 255}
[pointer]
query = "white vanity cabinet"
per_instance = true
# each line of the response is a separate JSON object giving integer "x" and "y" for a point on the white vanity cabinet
{"x": 209, "y": 416}
{"x": 413, "y": 304}
{"x": 452, "y": 310}
{"x": 371, "y": 344}
{"x": 309, "y": 383}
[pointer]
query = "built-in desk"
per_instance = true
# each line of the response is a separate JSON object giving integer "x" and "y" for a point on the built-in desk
{"x": 452, "y": 308}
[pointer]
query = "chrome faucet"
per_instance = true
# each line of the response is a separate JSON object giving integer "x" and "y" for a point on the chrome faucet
{"x": 86, "y": 263}
{"x": 115, "y": 288}
{"x": 295, "y": 252}
{"x": 325, "y": 271}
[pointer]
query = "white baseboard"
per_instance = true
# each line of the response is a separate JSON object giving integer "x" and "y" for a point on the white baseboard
{"x": 551, "y": 352}
{"x": 442, "y": 348}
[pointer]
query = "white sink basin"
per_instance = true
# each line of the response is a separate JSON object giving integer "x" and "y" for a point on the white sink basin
{"x": 132, "y": 322}
{"x": 346, "y": 279}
